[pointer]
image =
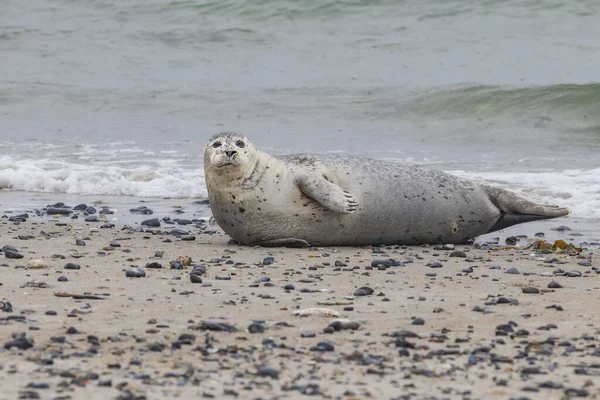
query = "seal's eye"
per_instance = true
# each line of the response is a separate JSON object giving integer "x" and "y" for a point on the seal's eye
{"x": 240, "y": 144}
{"x": 216, "y": 145}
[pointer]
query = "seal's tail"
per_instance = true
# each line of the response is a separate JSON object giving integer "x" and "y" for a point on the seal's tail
{"x": 517, "y": 209}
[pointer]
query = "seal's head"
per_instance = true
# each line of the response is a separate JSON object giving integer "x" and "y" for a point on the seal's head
{"x": 228, "y": 152}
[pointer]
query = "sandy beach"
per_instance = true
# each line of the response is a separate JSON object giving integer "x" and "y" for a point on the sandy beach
{"x": 474, "y": 322}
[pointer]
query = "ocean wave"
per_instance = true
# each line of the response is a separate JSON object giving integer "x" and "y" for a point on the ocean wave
{"x": 51, "y": 176}
{"x": 547, "y": 102}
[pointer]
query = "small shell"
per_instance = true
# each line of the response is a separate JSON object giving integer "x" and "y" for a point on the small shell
{"x": 316, "y": 311}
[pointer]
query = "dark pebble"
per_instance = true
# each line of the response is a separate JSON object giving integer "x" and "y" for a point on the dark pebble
{"x": 153, "y": 265}
{"x": 142, "y": 210}
{"x": 153, "y": 222}
{"x": 323, "y": 346}
{"x": 135, "y": 272}
{"x": 308, "y": 334}
{"x": 91, "y": 218}
{"x": 507, "y": 300}
{"x": 63, "y": 278}
{"x": 256, "y": 328}
{"x": 184, "y": 222}
{"x": 188, "y": 238}
{"x": 573, "y": 274}
{"x": 217, "y": 326}
{"x": 530, "y": 290}
{"x": 90, "y": 210}
{"x": 434, "y": 264}
{"x": 364, "y": 291}
{"x": 72, "y": 266}
{"x": 381, "y": 263}
{"x": 561, "y": 228}
{"x": 80, "y": 242}
{"x": 418, "y": 321}
{"x": 458, "y": 253}
{"x": 195, "y": 278}
{"x": 264, "y": 371}
{"x": 512, "y": 270}
{"x": 223, "y": 277}
{"x": 58, "y": 211}
{"x": 467, "y": 270}
{"x": 554, "y": 285}
{"x": 289, "y": 286}
{"x": 12, "y": 254}
{"x": 21, "y": 343}
{"x": 6, "y": 306}
{"x": 38, "y": 385}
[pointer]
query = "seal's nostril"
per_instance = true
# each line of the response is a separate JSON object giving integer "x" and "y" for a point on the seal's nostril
{"x": 230, "y": 153}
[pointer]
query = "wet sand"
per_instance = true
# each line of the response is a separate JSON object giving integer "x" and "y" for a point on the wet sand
{"x": 425, "y": 330}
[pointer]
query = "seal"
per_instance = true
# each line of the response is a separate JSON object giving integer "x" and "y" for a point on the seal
{"x": 336, "y": 200}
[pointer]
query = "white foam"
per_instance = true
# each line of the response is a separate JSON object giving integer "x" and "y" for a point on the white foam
{"x": 575, "y": 188}
{"x": 51, "y": 176}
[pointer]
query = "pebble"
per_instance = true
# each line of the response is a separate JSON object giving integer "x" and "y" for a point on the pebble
{"x": 467, "y": 270}
{"x": 364, "y": 291}
{"x": 512, "y": 270}
{"x": 573, "y": 274}
{"x": 21, "y": 343}
{"x": 264, "y": 371}
{"x": 418, "y": 321}
{"x": 135, "y": 272}
{"x": 153, "y": 265}
{"x": 12, "y": 254}
{"x": 223, "y": 277}
{"x": 142, "y": 210}
{"x": 555, "y": 285}
{"x": 323, "y": 346}
{"x": 6, "y": 306}
{"x": 308, "y": 334}
{"x": 434, "y": 264}
{"x": 62, "y": 278}
{"x": 256, "y": 328}
{"x": 37, "y": 264}
{"x": 58, "y": 211}
{"x": 530, "y": 290}
{"x": 217, "y": 326}
{"x": 458, "y": 253}
{"x": 72, "y": 266}
{"x": 339, "y": 324}
{"x": 188, "y": 238}
{"x": 289, "y": 286}
{"x": 153, "y": 223}
{"x": 195, "y": 278}
{"x": 507, "y": 300}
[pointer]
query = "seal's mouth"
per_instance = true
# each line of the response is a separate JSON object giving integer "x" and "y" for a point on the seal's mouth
{"x": 225, "y": 159}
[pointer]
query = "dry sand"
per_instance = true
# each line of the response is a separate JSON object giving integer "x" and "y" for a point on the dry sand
{"x": 126, "y": 343}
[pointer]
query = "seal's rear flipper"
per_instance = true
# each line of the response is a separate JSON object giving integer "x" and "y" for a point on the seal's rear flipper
{"x": 283, "y": 242}
{"x": 510, "y": 219}
{"x": 510, "y": 202}
{"x": 517, "y": 209}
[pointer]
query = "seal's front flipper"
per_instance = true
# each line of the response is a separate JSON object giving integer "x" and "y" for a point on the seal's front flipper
{"x": 328, "y": 194}
{"x": 284, "y": 242}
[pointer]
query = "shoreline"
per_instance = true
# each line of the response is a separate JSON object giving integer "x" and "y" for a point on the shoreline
{"x": 465, "y": 329}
